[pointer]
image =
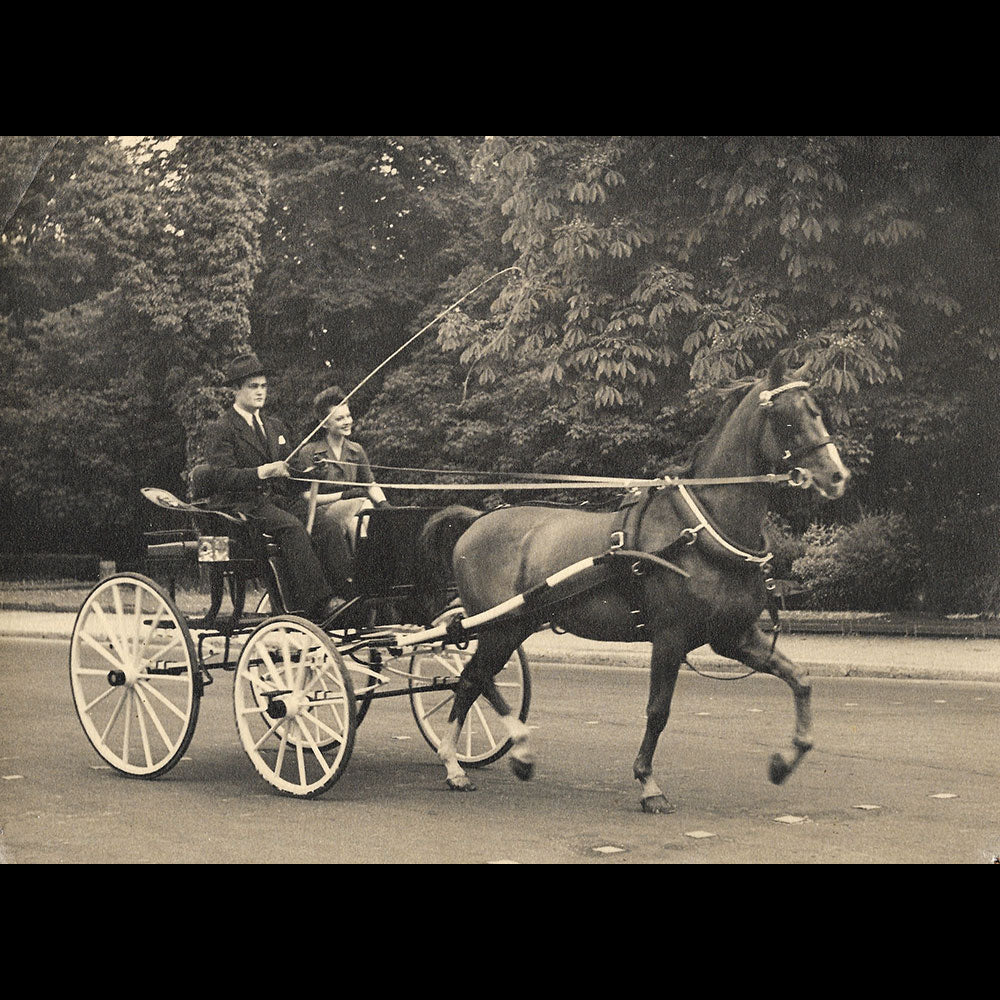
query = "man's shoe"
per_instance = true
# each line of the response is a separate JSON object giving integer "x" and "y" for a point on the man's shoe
{"x": 328, "y": 610}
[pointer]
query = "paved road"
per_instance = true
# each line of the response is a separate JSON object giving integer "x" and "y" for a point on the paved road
{"x": 904, "y": 771}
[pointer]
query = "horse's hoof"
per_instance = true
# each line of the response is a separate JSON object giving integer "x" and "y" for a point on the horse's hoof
{"x": 523, "y": 769}
{"x": 778, "y": 769}
{"x": 463, "y": 784}
{"x": 657, "y": 804}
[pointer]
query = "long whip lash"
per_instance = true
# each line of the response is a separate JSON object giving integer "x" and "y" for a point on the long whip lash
{"x": 400, "y": 350}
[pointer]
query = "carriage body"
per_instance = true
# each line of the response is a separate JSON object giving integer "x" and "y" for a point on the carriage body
{"x": 139, "y": 665}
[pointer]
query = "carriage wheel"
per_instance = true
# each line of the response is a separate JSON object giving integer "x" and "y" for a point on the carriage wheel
{"x": 295, "y": 708}
{"x": 364, "y": 684}
{"x": 483, "y": 738}
{"x": 133, "y": 675}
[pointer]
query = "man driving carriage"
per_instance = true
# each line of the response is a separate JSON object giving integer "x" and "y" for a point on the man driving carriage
{"x": 245, "y": 455}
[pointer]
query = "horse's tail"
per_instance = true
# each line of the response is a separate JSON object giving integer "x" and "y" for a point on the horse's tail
{"x": 435, "y": 545}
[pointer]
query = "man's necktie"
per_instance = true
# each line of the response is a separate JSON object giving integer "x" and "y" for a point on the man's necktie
{"x": 261, "y": 436}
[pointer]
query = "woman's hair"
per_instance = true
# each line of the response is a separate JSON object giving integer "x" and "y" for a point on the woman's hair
{"x": 324, "y": 401}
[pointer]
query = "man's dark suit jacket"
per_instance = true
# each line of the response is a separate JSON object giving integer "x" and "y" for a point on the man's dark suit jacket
{"x": 234, "y": 451}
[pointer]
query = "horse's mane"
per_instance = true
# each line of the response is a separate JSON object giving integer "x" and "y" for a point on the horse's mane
{"x": 733, "y": 394}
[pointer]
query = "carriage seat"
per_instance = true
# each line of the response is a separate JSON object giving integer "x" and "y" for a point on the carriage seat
{"x": 227, "y": 545}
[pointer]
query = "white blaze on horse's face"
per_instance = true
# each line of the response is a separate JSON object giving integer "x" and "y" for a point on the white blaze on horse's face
{"x": 830, "y": 478}
{"x": 796, "y": 424}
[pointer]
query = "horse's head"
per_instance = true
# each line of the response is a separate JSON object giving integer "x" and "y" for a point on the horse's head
{"x": 794, "y": 435}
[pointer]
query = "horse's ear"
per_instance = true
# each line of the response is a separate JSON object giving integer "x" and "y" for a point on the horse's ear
{"x": 776, "y": 373}
{"x": 802, "y": 374}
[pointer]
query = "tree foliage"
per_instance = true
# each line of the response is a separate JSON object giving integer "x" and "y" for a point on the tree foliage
{"x": 126, "y": 273}
{"x": 653, "y": 272}
{"x": 360, "y": 233}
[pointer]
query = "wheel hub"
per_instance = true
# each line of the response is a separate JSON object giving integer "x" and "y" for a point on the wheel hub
{"x": 287, "y": 705}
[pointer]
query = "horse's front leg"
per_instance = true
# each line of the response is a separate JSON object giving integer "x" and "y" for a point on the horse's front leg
{"x": 755, "y": 650}
{"x": 664, "y": 668}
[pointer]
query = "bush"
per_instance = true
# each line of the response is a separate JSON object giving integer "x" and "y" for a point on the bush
{"x": 870, "y": 565}
{"x": 964, "y": 550}
{"x": 48, "y": 566}
{"x": 786, "y": 545}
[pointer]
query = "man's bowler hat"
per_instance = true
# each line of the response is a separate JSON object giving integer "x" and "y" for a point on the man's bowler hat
{"x": 243, "y": 367}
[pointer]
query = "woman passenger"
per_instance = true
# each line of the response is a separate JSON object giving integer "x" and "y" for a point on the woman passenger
{"x": 337, "y": 459}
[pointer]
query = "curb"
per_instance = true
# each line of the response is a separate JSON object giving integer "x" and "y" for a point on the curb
{"x": 975, "y": 667}
{"x": 720, "y": 665}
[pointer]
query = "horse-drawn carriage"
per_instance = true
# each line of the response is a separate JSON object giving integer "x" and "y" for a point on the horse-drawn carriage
{"x": 139, "y": 666}
{"x": 679, "y": 565}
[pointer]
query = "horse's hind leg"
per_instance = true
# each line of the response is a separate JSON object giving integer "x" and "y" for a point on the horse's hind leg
{"x": 755, "y": 650}
{"x": 664, "y": 667}
{"x": 479, "y": 678}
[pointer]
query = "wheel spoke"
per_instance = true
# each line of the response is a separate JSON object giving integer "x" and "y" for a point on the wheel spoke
{"x": 320, "y": 724}
{"x": 111, "y": 630}
{"x": 139, "y": 702}
{"x": 282, "y": 747}
{"x": 144, "y": 685}
{"x": 115, "y": 714}
{"x": 286, "y": 654}
{"x": 98, "y": 648}
{"x": 447, "y": 700}
{"x": 106, "y": 693}
{"x": 154, "y": 623}
{"x": 116, "y": 594}
{"x": 301, "y": 758}
{"x": 278, "y": 680}
{"x": 137, "y": 614}
{"x": 161, "y": 652}
{"x": 127, "y": 738}
{"x": 274, "y": 727}
{"x": 314, "y": 746}
{"x": 485, "y": 724}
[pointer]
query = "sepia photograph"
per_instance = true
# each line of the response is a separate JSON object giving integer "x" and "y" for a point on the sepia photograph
{"x": 419, "y": 500}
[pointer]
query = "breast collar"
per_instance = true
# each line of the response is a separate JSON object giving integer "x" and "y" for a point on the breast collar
{"x": 699, "y": 524}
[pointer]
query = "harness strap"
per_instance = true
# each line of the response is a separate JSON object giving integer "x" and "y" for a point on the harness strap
{"x": 793, "y": 456}
{"x": 702, "y": 523}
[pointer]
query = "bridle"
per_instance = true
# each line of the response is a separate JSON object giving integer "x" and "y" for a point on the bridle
{"x": 803, "y": 477}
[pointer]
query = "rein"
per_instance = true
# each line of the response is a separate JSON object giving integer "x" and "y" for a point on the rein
{"x": 799, "y": 478}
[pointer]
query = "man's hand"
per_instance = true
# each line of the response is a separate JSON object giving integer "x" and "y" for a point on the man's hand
{"x": 273, "y": 470}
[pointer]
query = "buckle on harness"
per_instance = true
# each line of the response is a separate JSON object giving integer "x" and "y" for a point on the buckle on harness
{"x": 690, "y": 535}
{"x": 617, "y": 539}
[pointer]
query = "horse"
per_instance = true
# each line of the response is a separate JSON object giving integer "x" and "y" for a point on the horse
{"x": 700, "y": 574}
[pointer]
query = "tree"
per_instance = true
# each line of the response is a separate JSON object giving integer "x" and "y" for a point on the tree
{"x": 656, "y": 270}
{"x": 360, "y": 233}
{"x": 126, "y": 276}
